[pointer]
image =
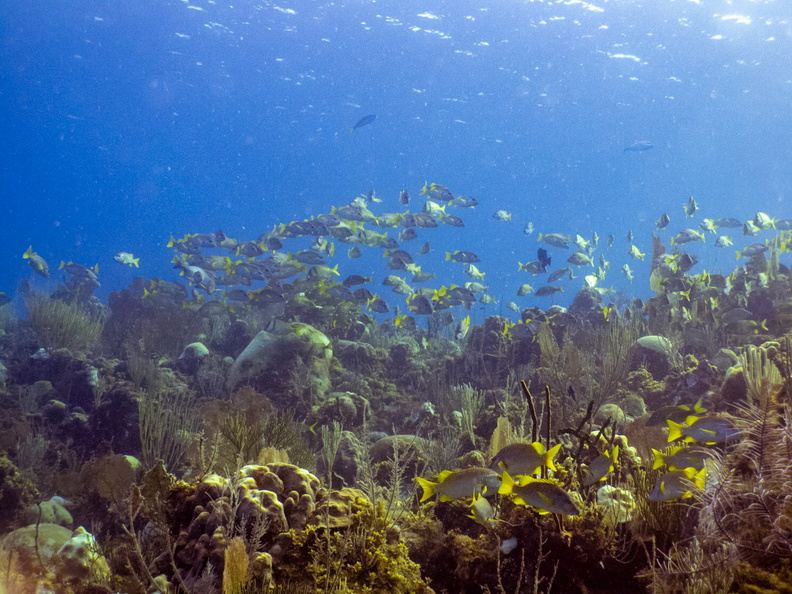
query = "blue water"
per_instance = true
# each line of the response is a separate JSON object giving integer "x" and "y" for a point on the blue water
{"x": 124, "y": 123}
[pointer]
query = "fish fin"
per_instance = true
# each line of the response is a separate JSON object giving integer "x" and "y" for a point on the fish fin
{"x": 691, "y": 419}
{"x": 699, "y": 477}
{"x": 674, "y": 430}
{"x": 136, "y": 262}
{"x": 171, "y": 242}
{"x": 428, "y": 488}
{"x": 62, "y": 265}
{"x": 659, "y": 459}
{"x": 507, "y": 484}
{"x": 443, "y": 475}
{"x": 95, "y": 269}
{"x": 549, "y": 455}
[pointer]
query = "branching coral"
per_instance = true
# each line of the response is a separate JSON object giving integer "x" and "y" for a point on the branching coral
{"x": 63, "y": 325}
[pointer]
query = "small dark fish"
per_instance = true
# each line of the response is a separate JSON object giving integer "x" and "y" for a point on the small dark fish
{"x": 544, "y": 259}
{"x": 378, "y": 305}
{"x": 663, "y": 221}
{"x": 401, "y": 255}
{"x": 249, "y": 249}
{"x": 362, "y": 295}
{"x": 752, "y": 250}
{"x": 534, "y": 267}
{"x": 462, "y": 256}
{"x": 408, "y": 234}
{"x": 728, "y": 222}
{"x": 639, "y": 145}
{"x": 272, "y": 243}
{"x": 557, "y": 274}
{"x": 424, "y": 249}
{"x": 364, "y": 121}
{"x": 356, "y": 279}
{"x": 421, "y": 305}
{"x": 453, "y": 221}
{"x": 783, "y": 224}
{"x": 547, "y": 290}
{"x": 306, "y": 257}
{"x": 341, "y": 292}
{"x": 465, "y": 201}
{"x": 404, "y": 197}
{"x": 424, "y": 220}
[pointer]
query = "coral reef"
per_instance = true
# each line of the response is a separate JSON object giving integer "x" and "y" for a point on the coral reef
{"x": 270, "y": 441}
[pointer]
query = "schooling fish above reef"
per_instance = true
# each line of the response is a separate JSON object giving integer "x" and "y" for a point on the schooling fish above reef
{"x": 37, "y": 263}
{"x": 525, "y": 458}
{"x": 127, "y": 259}
{"x": 461, "y": 484}
{"x": 676, "y": 484}
{"x": 601, "y": 467}
{"x": 546, "y": 496}
{"x": 682, "y": 457}
{"x": 708, "y": 430}
{"x": 690, "y": 207}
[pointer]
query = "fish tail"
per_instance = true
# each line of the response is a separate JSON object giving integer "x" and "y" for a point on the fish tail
{"x": 28, "y": 253}
{"x": 674, "y": 430}
{"x": 507, "y": 484}
{"x": 549, "y": 455}
{"x": 698, "y": 478}
{"x": 428, "y": 488}
{"x": 659, "y": 459}
{"x": 136, "y": 262}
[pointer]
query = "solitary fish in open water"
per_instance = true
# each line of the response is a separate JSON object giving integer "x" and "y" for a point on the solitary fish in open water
{"x": 364, "y": 121}
{"x": 639, "y": 145}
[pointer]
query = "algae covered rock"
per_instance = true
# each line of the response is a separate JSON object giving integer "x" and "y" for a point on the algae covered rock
{"x": 338, "y": 508}
{"x": 79, "y": 558}
{"x": 292, "y": 366}
{"x": 48, "y": 512}
{"x": 191, "y": 358}
{"x": 16, "y": 492}
{"x": 195, "y": 350}
{"x": 347, "y": 408}
{"x": 30, "y": 544}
